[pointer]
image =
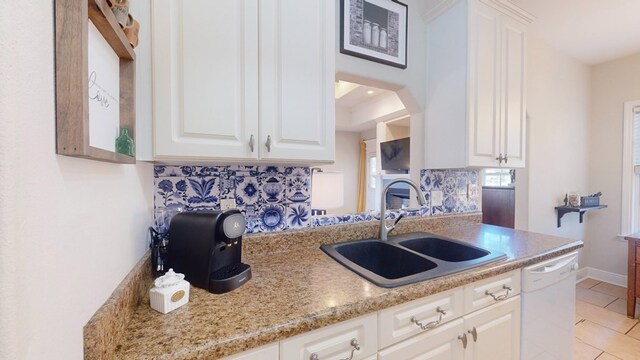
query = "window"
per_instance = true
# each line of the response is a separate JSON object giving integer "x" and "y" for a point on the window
{"x": 499, "y": 177}
{"x": 631, "y": 169}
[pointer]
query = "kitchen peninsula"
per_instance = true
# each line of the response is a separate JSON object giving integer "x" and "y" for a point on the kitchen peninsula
{"x": 296, "y": 288}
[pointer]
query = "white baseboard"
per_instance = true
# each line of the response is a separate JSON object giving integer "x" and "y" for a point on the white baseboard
{"x": 601, "y": 275}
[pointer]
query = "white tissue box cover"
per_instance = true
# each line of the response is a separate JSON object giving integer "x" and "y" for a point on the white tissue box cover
{"x": 166, "y": 299}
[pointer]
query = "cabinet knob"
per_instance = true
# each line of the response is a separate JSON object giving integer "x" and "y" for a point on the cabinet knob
{"x": 474, "y": 334}
{"x": 463, "y": 338}
{"x": 251, "y": 141}
{"x": 506, "y": 158}
{"x": 500, "y": 158}
{"x": 268, "y": 143}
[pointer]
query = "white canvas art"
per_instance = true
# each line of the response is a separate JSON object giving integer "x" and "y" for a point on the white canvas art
{"x": 104, "y": 92}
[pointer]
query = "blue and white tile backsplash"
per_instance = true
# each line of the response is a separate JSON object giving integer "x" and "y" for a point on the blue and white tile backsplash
{"x": 277, "y": 198}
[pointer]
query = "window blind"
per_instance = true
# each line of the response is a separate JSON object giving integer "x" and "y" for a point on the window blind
{"x": 636, "y": 136}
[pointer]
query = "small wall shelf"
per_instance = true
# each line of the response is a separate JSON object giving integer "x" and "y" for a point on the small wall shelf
{"x": 567, "y": 209}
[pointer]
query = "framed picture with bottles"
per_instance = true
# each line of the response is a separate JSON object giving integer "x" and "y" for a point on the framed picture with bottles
{"x": 375, "y": 30}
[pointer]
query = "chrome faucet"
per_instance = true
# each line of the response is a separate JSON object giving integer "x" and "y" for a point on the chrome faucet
{"x": 384, "y": 229}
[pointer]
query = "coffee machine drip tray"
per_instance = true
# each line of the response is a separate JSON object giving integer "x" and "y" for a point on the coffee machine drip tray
{"x": 229, "y": 278}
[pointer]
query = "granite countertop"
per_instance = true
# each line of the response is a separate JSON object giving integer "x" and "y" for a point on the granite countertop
{"x": 303, "y": 289}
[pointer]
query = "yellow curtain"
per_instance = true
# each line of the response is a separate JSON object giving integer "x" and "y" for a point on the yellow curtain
{"x": 362, "y": 177}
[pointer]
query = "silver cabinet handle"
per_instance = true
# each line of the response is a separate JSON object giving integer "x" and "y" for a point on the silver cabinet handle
{"x": 268, "y": 143}
{"x": 499, "y": 297}
{"x": 251, "y": 141}
{"x": 506, "y": 158}
{"x": 474, "y": 334}
{"x": 355, "y": 347}
{"x": 432, "y": 324}
{"x": 500, "y": 158}
{"x": 463, "y": 338}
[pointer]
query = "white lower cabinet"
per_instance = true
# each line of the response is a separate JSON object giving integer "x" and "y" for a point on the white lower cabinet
{"x": 441, "y": 343}
{"x": 357, "y": 337}
{"x": 479, "y": 321}
{"x": 493, "y": 333}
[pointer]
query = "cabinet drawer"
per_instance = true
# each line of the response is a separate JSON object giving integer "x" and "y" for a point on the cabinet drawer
{"x": 267, "y": 352}
{"x": 395, "y": 323}
{"x": 440, "y": 343}
{"x": 490, "y": 291}
{"x": 334, "y": 342}
{"x": 637, "y": 254}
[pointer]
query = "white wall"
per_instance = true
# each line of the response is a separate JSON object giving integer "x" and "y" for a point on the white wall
{"x": 388, "y": 77}
{"x": 613, "y": 83}
{"x": 70, "y": 229}
{"x": 347, "y": 161}
{"x": 558, "y": 107}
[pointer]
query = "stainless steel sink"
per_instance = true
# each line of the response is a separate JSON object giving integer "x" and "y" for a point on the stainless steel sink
{"x": 408, "y": 258}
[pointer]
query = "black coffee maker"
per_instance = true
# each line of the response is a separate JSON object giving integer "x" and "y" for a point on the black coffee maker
{"x": 206, "y": 246}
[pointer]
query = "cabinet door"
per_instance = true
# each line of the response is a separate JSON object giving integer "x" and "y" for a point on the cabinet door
{"x": 441, "y": 343}
{"x": 513, "y": 91}
{"x": 334, "y": 342}
{"x": 267, "y": 352}
{"x": 497, "y": 330}
{"x": 297, "y": 72}
{"x": 484, "y": 85}
{"x": 205, "y": 73}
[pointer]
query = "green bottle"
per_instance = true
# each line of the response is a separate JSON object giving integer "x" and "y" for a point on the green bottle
{"x": 124, "y": 143}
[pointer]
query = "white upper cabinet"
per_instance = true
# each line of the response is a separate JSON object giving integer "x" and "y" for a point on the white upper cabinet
{"x": 244, "y": 80}
{"x": 476, "y": 109}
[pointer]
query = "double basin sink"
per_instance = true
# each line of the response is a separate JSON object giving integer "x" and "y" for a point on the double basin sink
{"x": 408, "y": 258}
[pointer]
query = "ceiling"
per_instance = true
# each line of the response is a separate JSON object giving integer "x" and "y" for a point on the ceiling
{"x": 352, "y": 97}
{"x": 349, "y": 94}
{"x": 591, "y": 31}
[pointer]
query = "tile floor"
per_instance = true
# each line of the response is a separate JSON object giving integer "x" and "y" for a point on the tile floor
{"x": 603, "y": 330}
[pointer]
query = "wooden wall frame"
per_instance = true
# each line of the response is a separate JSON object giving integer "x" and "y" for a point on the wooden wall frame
{"x": 72, "y": 82}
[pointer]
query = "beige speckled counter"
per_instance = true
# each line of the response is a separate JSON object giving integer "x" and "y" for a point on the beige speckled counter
{"x": 303, "y": 289}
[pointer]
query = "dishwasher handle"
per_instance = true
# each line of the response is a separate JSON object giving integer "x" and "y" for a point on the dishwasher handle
{"x": 549, "y": 272}
{"x": 549, "y": 268}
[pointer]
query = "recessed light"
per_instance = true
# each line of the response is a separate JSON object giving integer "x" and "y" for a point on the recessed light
{"x": 370, "y": 92}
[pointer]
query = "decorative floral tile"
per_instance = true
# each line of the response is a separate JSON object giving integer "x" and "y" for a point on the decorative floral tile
{"x": 247, "y": 189}
{"x": 276, "y": 198}
{"x": 203, "y": 191}
{"x": 297, "y": 171}
{"x": 453, "y": 183}
{"x": 323, "y": 220}
{"x": 298, "y": 188}
{"x": 272, "y": 189}
{"x": 299, "y": 215}
{"x": 227, "y": 185}
{"x": 272, "y": 218}
{"x": 266, "y": 172}
{"x": 344, "y": 219}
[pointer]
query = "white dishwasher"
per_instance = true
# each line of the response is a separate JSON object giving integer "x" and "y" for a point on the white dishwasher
{"x": 548, "y": 309}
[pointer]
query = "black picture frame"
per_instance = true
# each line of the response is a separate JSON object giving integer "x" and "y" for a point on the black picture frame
{"x": 375, "y": 30}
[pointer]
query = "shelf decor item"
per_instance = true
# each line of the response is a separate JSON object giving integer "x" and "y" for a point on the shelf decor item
{"x": 124, "y": 143}
{"x": 95, "y": 81}
{"x": 375, "y": 30}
